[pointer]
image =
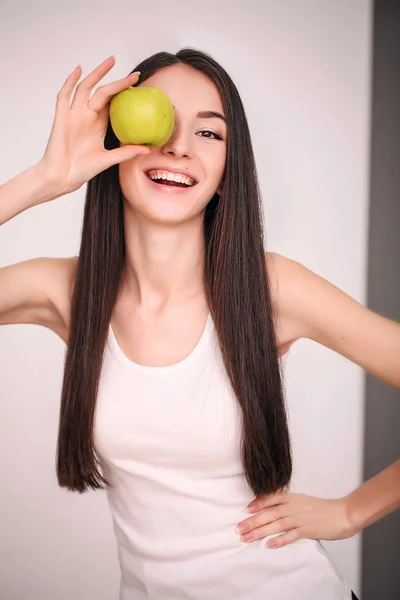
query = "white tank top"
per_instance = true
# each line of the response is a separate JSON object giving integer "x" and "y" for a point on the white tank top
{"x": 168, "y": 440}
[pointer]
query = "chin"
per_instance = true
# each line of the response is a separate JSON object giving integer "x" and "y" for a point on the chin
{"x": 163, "y": 204}
{"x": 172, "y": 212}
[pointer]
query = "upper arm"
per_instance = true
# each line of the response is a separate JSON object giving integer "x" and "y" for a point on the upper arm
{"x": 312, "y": 307}
{"x": 34, "y": 291}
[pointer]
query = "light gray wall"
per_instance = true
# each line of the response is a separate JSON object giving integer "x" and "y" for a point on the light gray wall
{"x": 380, "y": 550}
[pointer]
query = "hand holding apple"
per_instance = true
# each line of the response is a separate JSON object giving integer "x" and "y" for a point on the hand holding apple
{"x": 75, "y": 150}
{"x": 142, "y": 115}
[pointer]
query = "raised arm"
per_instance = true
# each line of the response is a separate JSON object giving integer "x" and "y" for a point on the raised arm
{"x": 75, "y": 150}
{"x": 27, "y": 189}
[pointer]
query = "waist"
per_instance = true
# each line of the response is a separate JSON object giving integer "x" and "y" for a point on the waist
{"x": 180, "y": 519}
{"x": 176, "y": 539}
{"x": 299, "y": 571}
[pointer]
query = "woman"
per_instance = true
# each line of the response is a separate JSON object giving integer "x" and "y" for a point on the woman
{"x": 175, "y": 319}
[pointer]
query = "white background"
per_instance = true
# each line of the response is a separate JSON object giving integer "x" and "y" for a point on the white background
{"x": 303, "y": 69}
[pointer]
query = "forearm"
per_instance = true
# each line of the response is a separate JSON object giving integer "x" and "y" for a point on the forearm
{"x": 27, "y": 189}
{"x": 375, "y": 498}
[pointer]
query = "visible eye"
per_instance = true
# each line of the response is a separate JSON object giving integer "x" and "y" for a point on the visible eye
{"x": 216, "y": 136}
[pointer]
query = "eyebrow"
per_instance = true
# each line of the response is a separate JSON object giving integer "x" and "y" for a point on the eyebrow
{"x": 209, "y": 114}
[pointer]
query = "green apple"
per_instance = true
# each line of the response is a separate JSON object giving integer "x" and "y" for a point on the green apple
{"x": 142, "y": 115}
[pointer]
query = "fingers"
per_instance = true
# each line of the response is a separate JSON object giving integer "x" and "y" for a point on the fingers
{"x": 104, "y": 93}
{"x": 266, "y": 501}
{"x": 82, "y": 93}
{"x": 284, "y": 539}
{"x": 64, "y": 95}
{"x": 122, "y": 154}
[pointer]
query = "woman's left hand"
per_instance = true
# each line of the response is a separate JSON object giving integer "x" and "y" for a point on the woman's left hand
{"x": 299, "y": 516}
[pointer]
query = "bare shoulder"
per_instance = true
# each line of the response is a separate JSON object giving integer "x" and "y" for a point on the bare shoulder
{"x": 60, "y": 283}
{"x": 284, "y": 275}
{"x": 38, "y": 291}
{"x": 63, "y": 290}
{"x": 280, "y": 271}
{"x": 302, "y": 299}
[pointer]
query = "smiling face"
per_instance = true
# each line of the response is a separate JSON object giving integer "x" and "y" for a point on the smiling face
{"x": 196, "y": 149}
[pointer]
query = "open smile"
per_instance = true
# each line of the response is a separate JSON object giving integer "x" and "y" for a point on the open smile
{"x": 170, "y": 187}
{"x": 170, "y": 181}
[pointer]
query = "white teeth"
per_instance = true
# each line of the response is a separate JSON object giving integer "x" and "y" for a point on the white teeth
{"x": 171, "y": 177}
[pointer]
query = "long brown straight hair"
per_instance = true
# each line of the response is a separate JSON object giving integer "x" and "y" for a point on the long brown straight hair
{"x": 237, "y": 290}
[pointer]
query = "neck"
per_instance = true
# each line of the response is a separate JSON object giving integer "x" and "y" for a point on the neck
{"x": 164, "y": 263}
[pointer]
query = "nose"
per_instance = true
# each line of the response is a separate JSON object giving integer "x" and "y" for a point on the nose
{"x": 178, "y": 144}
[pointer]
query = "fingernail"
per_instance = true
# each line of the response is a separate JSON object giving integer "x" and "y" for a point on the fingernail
{"x": 243, "y": 528}
{"x": 135, "y": 73}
